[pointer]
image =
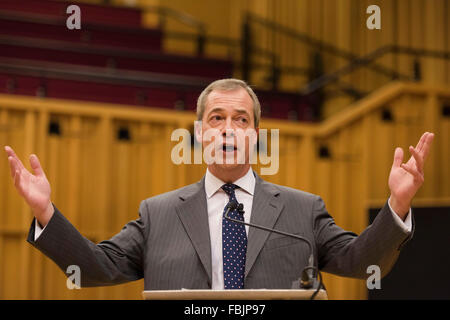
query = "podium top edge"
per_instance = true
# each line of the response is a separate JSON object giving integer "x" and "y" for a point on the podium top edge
{"x": 239, "y": 294}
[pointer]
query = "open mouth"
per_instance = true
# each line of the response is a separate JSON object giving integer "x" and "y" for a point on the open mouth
{"x": 228, "y": 148}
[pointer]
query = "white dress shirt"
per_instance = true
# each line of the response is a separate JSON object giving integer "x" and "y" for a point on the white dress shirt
{"x": 217, "y": 199}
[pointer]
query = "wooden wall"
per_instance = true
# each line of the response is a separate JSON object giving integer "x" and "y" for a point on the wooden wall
{"x": 98, "y": 181}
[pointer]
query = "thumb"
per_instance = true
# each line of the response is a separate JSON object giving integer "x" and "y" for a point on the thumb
{"x": 36, "y": 166}
{"x": 398, "y": 157}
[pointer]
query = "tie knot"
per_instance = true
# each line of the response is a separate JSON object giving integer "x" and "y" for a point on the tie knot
{"x": 229, "y": 188}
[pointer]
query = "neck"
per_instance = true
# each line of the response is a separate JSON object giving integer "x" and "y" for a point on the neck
{"x": 229, "y": 175}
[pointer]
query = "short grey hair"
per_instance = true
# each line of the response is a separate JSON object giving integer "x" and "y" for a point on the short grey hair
{"x": 228, "y": 85}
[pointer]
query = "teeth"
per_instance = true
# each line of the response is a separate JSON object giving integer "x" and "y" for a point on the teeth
{"x": 228, "y": 148}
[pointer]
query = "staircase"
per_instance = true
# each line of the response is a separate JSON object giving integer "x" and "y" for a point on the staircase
{"x": 111, "y": 59}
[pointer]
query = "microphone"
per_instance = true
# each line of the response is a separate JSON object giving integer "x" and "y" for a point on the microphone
{"x": 308, "y": 280}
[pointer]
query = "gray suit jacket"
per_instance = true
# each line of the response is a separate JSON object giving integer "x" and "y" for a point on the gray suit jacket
{"x": 169, "y": 244}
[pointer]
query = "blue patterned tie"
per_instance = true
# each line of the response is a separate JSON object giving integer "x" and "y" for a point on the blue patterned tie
{"x": 234, "y": 245}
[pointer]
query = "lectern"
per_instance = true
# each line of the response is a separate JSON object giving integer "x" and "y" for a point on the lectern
{"x": 241, "y": 294}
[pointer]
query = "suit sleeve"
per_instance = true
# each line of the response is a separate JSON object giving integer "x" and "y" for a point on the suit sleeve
{"x": 347, "y": 254}
{"x": 110, "y": 262}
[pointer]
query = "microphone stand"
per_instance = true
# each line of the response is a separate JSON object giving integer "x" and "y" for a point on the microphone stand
{"x": 308, "y": 280}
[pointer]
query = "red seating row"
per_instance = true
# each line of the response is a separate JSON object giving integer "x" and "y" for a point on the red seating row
{"x": 162, "y": 97}
{"x": 111, "y": 59}
{"x": 58, "y": 80}
{"x": 158, "y": 91}
{"x": 39, "y": 27}
{"x": 55, "y": 51}
{"x": 118, "y": 16}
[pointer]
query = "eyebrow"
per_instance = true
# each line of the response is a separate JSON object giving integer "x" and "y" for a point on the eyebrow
{"x": 219, "y": 109}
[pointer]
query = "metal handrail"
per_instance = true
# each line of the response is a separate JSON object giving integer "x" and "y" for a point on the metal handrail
{"x": 182, "y": 17}
{"x": 317, "y": 44}
{"x": 164, "y": 13}
{"x": 364, "y": 61}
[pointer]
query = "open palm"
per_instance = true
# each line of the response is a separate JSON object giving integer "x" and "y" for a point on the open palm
{"x": 35, "y": 189}
{"x": 405, "y": 179}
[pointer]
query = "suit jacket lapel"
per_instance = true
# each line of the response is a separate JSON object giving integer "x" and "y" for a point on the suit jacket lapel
{"x": 193, "y": 213}
{"x": 265, "y": 211}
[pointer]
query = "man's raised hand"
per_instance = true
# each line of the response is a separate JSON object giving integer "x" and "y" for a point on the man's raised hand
{"x": 35, "y": 189}
{"x": 405, "y": 179}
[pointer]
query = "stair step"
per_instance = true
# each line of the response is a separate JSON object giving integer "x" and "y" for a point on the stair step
{"x": 39, "y": 27}
{"x": 56, "y": 51}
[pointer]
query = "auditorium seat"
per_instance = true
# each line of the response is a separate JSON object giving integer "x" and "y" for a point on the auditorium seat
{"x": 55, "y": 80}
{"x": 47, "y": 27}
{"x": 111, "y": 59}
{"x": 154, "y": 96}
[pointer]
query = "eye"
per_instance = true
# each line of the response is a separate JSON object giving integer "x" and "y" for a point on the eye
{"x": 242, "y": 120}
{"x": 215, "y": 119}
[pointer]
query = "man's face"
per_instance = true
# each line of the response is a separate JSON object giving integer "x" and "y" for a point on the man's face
{"x": 229, "y": 115}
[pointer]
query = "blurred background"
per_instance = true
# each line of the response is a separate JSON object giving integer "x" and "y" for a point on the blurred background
{"x": 98, "y": 106}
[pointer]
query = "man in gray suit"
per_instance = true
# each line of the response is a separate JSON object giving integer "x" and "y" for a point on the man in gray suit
{"x": 181, "y": 239}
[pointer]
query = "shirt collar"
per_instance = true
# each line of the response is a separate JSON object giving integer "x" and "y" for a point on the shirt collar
{"x": 246, "y": 183}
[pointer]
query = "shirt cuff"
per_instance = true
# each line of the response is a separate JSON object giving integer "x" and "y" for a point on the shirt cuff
{"x": 405, "y": 225}
{"x": 37, "y": 229}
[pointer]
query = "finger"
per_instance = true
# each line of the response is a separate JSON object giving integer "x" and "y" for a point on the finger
{"x": 418, "y": 158}
{"x": 421, "y": 141}
{"x": 427, "y": 145}
{"x": 420, "y": 146}
{"x": 36, "y": 166}
{"x": 12, "y": 166}
{"x": 17, "y": 180}
{"x": 415, "y": 173}
{"x": 11, "y": 153}
{"x": 398, "y": 157}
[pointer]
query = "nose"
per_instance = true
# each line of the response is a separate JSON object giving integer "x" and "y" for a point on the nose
{"x": 228, "y": 128}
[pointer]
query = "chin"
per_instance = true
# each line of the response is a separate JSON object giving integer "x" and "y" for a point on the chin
{"x": 229, "y": 166}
